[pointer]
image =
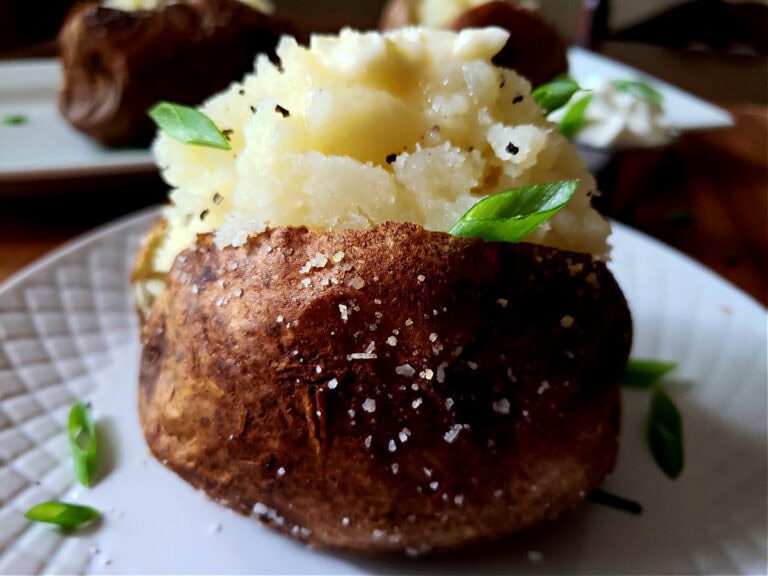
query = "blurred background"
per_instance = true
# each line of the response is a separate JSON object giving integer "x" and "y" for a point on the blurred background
{"x": 707, "y": 194}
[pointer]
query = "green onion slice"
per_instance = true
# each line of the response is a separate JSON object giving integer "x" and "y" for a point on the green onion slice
{"x": 15, "y": 119}
{"x": 643, "y": 373}
{"x": 575, "y": 117}
{"x": 82, "y": 441}
{"x": 639, "y": 90}
{"x": 63, "y": 514}
{"x": 509, "y": 216}
{"x": 188, "y": 125}
{"x": 665, "y": 433}
{"x": 614, "y": 501}
{"x": 556, "y": 93}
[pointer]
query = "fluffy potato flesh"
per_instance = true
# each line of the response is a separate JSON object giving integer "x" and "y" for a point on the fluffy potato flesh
{"x": 390, "y": 389}
{"x": 414, "y": 125}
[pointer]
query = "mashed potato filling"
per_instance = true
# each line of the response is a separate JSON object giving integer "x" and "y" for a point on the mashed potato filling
{"x": 412, "y": 125}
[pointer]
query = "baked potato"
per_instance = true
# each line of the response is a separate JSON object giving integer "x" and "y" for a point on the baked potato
{"x": 117, "y": 64}
{"x": 534, "y": 49}
{"x": 391, "y": 389}
{"x": 319, "y": 354}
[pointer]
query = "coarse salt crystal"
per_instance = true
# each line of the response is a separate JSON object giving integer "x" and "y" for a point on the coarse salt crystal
{"x": 405, "y": 370}
{"x": 395, "y": 467}
{"x": 392, "y": 341}
{"x": 338, "y": 257}
{"x": 357, "y": 283}
{"x": 332, "y": 383}
{"x": 502, "y": 302}
{"x": 367, "y": 441}
{"x": 306, "y": 282}
{"x": 434, "y": 485}
{"x": 280, "y": 472}
{"x": 369, "y": 405}
{"x": 404, "y": 434}
{"x": 448, "y": 403}
{"x": 416, "y": 403}
{"x": 452, "y": 433}
{"x": 432, "y": 337}
{"x": 409, "y": 322}
{"x": 501, "y": 406}
{"x": 345, "y": 521}
{"x": 459, "y": 500}
{"x": 472, "y": 365}
{"x": 421, "y": 278}
{"x": 428, "y": 374}
{"x": 428, "y": 472}
{"x": 371, "y": 347}
{"x": 361, "y": 356}
{"x": 392, "y": 446}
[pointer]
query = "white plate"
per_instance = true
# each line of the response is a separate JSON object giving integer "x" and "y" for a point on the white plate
{"x": 46, "y": 146}
{"x": 67, "y": 331}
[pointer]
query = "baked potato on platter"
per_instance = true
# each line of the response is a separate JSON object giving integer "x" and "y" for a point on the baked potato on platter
{"x": 117, "y": 63}
{"x": 320, "y": 353}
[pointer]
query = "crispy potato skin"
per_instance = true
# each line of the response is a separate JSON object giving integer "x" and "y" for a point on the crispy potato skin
{"x": 510, "y": 416}
{"x": 534, "y": 48}
{"x": 117, "y": 64}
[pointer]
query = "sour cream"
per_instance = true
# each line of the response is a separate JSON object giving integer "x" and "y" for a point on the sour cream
{"x": 617, "y": 118}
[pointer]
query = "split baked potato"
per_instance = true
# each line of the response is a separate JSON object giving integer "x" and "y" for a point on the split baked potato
{"x": 390, "y": 389}
{"x": 117, "y": 64}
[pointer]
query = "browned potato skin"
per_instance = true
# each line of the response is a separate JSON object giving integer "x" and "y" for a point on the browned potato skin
{"x": 534, "y": 48}
{"x": 117, "y": 65}
{"x": 231, "y": 393}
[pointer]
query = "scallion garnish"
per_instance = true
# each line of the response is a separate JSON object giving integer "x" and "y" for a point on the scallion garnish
{"x": 508, "y": 216}
{"x": 664, "y": 432}
{"x": 15, "y": 119}
{"x": 614, "y": 501}
{"x": 643, "y": 373}
{"x": 63, "y": 514}
{"x": 575, "y": 117}
{"x": 556, "y": 93}
{"x": 188, "y": 125}
{"x": 82, "y": 441}
{"x": 639, "y": 90}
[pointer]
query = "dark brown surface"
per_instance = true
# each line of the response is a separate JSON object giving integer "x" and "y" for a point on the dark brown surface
{"x": 117, "y": 64}
{"x": 248, "y": 389}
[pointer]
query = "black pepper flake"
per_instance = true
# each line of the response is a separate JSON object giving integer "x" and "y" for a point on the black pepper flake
{"x": 283, "y": 111}
{"x": 217, "y": 198}
{"x": 241, "y": 91}
{"x": 503, "y": 82}
{"x": 517, "y": 99}
{"x": 512, "y": 149}
{"x": 228, "y": 133}
{"x": 391, "y": 158}
{"x": 204, "y": 213}
{"x": 253, "y": 109}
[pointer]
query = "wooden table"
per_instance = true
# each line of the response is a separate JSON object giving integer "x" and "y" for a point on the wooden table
{"x": 707, "y": 195}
